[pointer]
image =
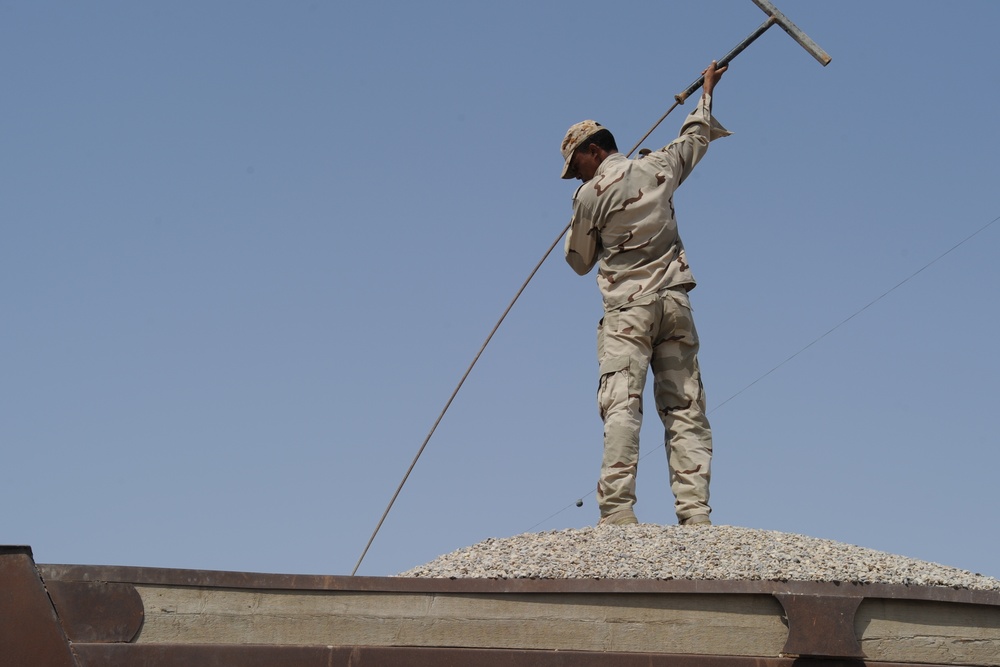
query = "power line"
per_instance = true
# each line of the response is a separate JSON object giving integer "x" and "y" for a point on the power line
{"x": 865, "y": 307}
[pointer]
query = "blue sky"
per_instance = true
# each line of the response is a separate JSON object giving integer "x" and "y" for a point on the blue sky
{"x": 249, "y": 248}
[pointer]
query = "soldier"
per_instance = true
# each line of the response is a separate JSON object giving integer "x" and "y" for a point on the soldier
{"x": 623, "y": 221}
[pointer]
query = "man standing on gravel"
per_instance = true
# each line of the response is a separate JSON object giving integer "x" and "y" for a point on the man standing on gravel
{"x": 623, "y": 221}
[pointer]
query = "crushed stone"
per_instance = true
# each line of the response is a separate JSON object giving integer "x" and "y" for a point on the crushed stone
{"x": 651, "y": 551}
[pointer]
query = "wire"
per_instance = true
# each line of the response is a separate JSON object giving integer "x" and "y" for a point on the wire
{"x": 452, "y": 398}
{"x": 819, "y": 338}
{"x": 420, "y": 451}
{"x": 864, "y": 308}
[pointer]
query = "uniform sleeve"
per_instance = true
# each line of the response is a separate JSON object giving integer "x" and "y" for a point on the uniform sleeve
{"x": 582, "y": 241}
{"x": 683, "y": 153}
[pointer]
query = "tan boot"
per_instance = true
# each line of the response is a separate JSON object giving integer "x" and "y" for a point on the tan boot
{"x": 619, "y": 518}
{"x": 697, "y": 520}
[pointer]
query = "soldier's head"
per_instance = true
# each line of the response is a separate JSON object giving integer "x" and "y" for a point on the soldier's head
{"x": 584, "y": 148}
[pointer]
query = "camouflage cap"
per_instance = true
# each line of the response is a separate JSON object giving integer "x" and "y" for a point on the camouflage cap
{"x": 575, "y": 136}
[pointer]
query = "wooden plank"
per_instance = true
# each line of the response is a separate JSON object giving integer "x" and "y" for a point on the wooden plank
{"x": 186, "y": 655}
{"x": 929, "y": 632}
{"x": 896, "y": 624}
{"x": 748, "y": 625}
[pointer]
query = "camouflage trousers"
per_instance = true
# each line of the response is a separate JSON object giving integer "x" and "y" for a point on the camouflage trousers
{"x": 655, "y": 331}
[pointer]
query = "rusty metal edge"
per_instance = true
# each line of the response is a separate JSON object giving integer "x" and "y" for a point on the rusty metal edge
{"x": 16, "y": 549}
{"x": 297, "y": 582}
{"x": 178, "y": 655}
{"x": 97, "y": 611}
{"x": 821, "y": 626}
{"x": 30, "y": 632}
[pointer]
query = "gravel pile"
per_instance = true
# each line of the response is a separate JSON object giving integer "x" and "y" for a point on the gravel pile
{"x": 650, "y": 551}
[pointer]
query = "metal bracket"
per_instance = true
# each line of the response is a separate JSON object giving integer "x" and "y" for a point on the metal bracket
{"x": 820, "y": 626}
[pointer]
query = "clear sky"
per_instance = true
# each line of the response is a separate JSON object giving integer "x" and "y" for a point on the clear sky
{"x": 249, "y": 248}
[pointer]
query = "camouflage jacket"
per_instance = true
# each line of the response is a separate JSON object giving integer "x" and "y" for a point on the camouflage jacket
{"x": 623, "y": 218}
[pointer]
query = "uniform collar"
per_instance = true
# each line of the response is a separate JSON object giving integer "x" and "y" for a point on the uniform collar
{"x": 607, "y": 163}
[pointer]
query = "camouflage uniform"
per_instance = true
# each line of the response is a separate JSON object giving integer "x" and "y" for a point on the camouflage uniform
{"x": 623, "y": 220}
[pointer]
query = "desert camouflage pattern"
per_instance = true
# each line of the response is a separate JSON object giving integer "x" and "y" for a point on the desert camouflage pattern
{"x": 575, "y": 136}
{"x": 624, "y": 222}
{"x": 623, "y": 218}
{"x": 655, "y": 331}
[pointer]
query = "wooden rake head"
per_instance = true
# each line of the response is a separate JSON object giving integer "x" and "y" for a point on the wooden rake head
{"x": 775, "y": 17}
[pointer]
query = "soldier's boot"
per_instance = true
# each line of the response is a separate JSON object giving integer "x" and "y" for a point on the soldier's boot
{"x": 624, "y": 517}
{"x": 696, "y": 520}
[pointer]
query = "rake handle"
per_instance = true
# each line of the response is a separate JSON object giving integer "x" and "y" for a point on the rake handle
{"x": 722, "y": 62}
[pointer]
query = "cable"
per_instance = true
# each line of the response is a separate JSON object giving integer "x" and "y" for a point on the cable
{"x": 479, "y": 354}
{"x": 863, "y": 309}
{"x": 452, "y": 398}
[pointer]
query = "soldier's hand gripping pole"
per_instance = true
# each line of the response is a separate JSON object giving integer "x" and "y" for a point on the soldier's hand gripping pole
{"x": 774, "y": 17}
